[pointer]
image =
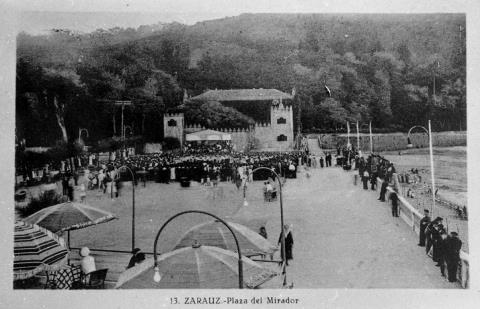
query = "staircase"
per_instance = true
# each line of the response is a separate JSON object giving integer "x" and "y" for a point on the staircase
{"x": 314, "y": 146}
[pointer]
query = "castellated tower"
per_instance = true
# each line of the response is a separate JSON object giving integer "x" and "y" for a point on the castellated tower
{"x": 281, "y": 118}
{"x": 173, "y": 126}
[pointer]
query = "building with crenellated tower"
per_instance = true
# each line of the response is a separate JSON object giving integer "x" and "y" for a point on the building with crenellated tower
{"x": 271, "y": 109}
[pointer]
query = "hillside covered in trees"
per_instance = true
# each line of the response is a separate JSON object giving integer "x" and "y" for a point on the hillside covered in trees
{"x": 394, "y": 70}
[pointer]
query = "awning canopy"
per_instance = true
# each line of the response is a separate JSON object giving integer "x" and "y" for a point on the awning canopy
{"x": 208, "y": 135}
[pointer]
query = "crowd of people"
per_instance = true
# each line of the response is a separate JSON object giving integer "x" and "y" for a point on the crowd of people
{"x": 207, "y": 168}
{"x": 444, "y": 248}
{"x": 197, "y": 148}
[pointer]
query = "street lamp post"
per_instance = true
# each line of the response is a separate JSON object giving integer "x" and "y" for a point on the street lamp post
{"x": 133, "y": 202}
{"x": 282, "y": 237}
{"x": 123, "y": 103}
{"x": 371, "y": 136}
{"x": 410, "y": 145}
{"x": 157, "y": 277}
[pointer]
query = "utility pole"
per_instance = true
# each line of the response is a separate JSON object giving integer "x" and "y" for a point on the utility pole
{"x": 123, "y": 103}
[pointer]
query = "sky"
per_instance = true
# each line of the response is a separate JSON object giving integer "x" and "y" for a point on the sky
{"x": 38, "y": 16}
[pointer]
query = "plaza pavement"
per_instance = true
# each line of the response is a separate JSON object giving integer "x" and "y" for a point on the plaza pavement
{"x": 344, "y": 237}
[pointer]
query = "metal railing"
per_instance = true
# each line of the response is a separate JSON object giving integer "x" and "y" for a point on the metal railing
{"x": 412, "y": 217}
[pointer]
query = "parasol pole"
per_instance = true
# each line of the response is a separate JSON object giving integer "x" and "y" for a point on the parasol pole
{"x": 68, "y": 246}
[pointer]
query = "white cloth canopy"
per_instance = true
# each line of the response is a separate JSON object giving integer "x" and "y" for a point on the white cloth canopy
{"x": 208, "y": 135}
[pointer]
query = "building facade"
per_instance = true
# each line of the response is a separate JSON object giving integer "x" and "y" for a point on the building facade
{"x": 273, "y": 130}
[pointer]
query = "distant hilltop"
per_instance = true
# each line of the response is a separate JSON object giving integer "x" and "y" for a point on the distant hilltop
{"x": 36, "y": 22}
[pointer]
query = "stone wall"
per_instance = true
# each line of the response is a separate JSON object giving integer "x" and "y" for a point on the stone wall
{"x": 241, "y": 139}
{"x": 152, "y": 148}
{"x": 191, "y": 128}
{"x": 262, "y": 138}
{"x": 393, "y": 141}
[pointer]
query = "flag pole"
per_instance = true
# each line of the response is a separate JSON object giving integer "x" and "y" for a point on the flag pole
{"x": 431, "y": 164}
{"x": 358, "y": 139}
{"x": 348, "y": 134}
{"x": 371, "y": 137}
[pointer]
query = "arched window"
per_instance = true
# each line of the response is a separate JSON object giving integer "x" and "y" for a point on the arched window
{"x": 172, "y": 123}
{"x": 281, "y": 120}
{"x": 282, "y": 138}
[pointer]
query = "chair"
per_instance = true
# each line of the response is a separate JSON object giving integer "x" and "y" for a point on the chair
{"x": 49, "y": 282}
{"x": 95, "y": 279}
{"x": 274, "y": 195}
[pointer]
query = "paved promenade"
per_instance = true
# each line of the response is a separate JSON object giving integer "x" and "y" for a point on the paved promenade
{"x": 346, "y": 238}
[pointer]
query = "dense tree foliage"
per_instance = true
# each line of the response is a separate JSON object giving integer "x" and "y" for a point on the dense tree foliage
{"x": 215, "y": 115}
{"x": 393, "y": 70}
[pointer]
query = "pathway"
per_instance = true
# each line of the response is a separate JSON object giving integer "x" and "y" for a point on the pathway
{"x": 346, "y": 238}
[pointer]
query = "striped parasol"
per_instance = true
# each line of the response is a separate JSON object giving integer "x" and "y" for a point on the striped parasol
{"x": 195, "y": 267}
{"x": 69, "y": 216}
{"x": 216, "y": 234}
{"x": 35, "y": 250}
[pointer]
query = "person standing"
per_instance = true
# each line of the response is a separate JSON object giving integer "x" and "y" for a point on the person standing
{"x": 373, "y": 181}
{"x": 394, "y": 198}
{"x": 436, "y": 242}
{"x": 321, "y": 162}
{"x": 288, "y": 243}
{"x": 441, "y": 253}
{"x": 71, "y": 184}
{"x": 423, "y": 225}
{"x": 383, "y": 191}
{"x": 101, "y": 180}
{"x": 428, "y": 233}
{"x": 365, "y": 178}
{"x": 65, "y": 185}
{"x": 82, "y": 193}
{"x": 452, "y": 255}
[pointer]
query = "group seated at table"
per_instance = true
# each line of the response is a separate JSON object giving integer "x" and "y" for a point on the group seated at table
{"x": 82, "y": 276}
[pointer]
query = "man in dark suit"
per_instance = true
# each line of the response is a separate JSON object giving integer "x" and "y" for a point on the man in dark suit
{"x": 394, "y": 198}
{"x": 431, "y": 228}
{"x": 441, "y": 252}
{"x": 383, "y": 190}
{"x": 452, "y": 255}
{"x": 423, "y": 225}
{"x": 436, "y": 242}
